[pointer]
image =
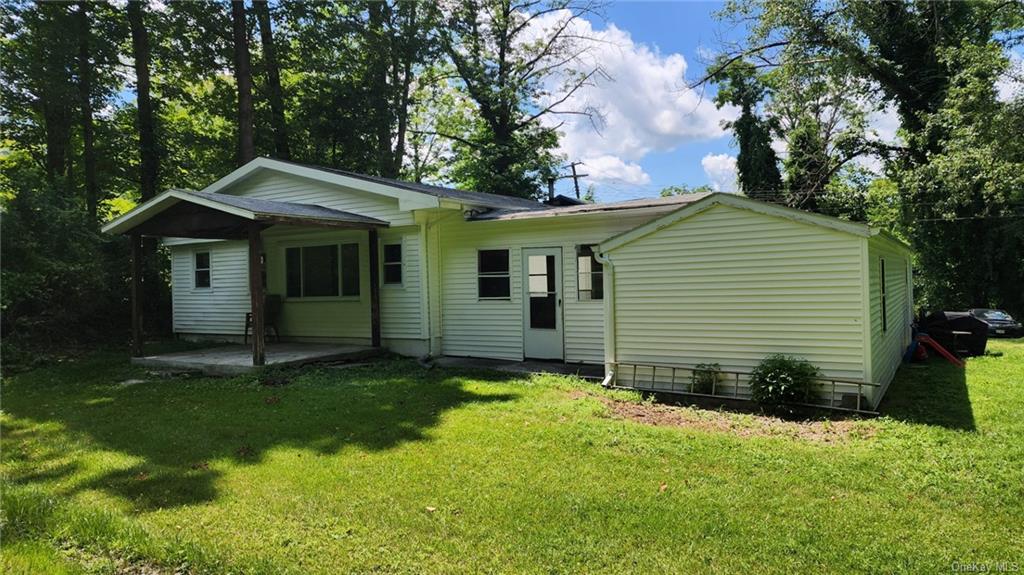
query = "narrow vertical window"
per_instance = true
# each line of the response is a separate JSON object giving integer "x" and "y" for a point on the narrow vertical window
{"x": 590, "y": 274}
{"x": 493, "y": 280}
{"x": 202, "y": 270}
{"x": 392, "y": 263}
{"x": 881, "y": 289}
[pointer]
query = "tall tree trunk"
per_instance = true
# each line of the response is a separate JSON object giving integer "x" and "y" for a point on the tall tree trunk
{"x": 277, "y": 120}
{"x": 243, "y": 78}
{"x": 380, "y": 91}
{"x": 85, "y": 103}
{"x": 57, "y": 124}
{"x": 148, "y": 153}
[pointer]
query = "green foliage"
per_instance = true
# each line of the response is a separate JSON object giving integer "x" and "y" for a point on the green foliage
{"x": 683, "y": 189}
{"x": 705, "y": 377}
{"x": 756, "y": 164}
{"x": 781, "y": 379}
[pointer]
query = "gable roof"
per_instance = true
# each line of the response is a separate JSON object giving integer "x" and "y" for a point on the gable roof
{"x": 253, "y": 209}
{"x": 744, "y": 203}
{"x": 548, "y": 212}
{"x": 411, "y": 195}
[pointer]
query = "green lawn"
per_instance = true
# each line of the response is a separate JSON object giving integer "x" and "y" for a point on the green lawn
{"x": 394, "y": 469}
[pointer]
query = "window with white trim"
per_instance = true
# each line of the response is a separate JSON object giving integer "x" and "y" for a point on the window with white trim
{"x": 881, "y": 289}
{"x": 329, "y": 270}
{"x": 589, "y": 274}
{"x": 493, "y": 279}
{"x": 201, "y": 270}
{"x": 392, "y": 262}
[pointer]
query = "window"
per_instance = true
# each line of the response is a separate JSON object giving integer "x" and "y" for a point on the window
{"x": 202, "y": 270}
{"x": 322, "y": 271}
{"x": 350, "y": 269}
{"x": 492, "y": 274}
{"x": 881, "y": 284}
{"x": 393, "y": 263}
{"x": 543, "y": 295}
{"x": 590, "y": 274}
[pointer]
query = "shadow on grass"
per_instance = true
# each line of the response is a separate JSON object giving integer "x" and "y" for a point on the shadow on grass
{"x": 180, "y": 429}
{"x": 932, "y": 393}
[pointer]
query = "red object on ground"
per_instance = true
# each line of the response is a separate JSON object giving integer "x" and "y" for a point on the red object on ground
{"x": 927, "y": 340}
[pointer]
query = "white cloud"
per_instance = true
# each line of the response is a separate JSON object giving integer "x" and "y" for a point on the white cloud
{"x": 642, "y": 100}
{"x": 612, "y": 169}
{"x": 721, "y": 171}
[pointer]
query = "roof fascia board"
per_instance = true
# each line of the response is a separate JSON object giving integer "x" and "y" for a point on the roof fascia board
{"x": 891, "y": 238}
{"x": 407, "y": 200}
{"x": 732, "y": 200}
{"x": 161, "y": 203}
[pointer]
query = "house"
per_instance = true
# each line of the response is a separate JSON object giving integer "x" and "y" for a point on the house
{"x": 646, "y": 287}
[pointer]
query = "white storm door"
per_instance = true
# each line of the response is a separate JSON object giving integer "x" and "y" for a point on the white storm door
{"x": 542, "y": 303}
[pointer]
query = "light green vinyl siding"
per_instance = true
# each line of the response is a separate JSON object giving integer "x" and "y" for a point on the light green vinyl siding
{"x": 221, "y": 308}
{"x": 494, "y": 329}
{"x": 887, "y": 346}
{"x": 288, "y": 188}
{"x": 732, "y": 286}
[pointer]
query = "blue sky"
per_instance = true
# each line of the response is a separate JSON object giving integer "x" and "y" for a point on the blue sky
{"x": 666, "y": 31}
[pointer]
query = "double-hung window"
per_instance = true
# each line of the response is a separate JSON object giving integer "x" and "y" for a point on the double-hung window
{"x": 392, "y": 263}
{"x": 201, "y": 270}
{"x": 493, "y": 280}
{"x": 330, "y": 270}
{"x": 589, "y": 274}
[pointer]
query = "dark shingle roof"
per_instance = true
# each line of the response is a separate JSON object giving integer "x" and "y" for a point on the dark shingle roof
{"x": 482, "y": 199}
{"x": 272, "y": 208}
{"x": 547, "y": 212}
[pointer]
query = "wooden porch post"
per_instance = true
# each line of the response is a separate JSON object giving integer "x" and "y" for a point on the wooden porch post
{"x": 137, "y": 330}
{"x": 374, "y": 289}
{"x": 256, "y": 293}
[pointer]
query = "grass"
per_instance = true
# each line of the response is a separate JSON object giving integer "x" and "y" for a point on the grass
{"x": 394, "y": 469}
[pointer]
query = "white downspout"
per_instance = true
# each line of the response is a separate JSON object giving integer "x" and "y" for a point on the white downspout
{"x": 609, "y": 318}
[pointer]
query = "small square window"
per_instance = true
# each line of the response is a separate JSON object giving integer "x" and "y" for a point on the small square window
{"x": 202, "y": 270}
{"x": 393, "y": 263}
{"x": 493, "y": 279}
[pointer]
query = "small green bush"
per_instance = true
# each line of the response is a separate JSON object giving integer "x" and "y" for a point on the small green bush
{"x": 781, "y": 379}
{"x": 705, "y": 377}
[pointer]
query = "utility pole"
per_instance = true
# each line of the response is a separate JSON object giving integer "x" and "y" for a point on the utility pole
{"x": 576, "y": 177}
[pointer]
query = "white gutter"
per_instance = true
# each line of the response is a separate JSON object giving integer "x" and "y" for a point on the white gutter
{"x": 609, "y": 317}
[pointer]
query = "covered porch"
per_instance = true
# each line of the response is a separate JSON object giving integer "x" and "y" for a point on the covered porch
{"x": 212, "y": 216}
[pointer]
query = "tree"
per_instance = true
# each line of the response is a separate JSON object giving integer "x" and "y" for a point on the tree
{"x": 756, "y": 164}
{"x": 149, "y": 173}
{"x": 683, "y": 190}
{"x": 85, "y": 109}
{"x": 243, "y": 82}
{"x": 505, "y": 61}
{"x": 274, "y": 91}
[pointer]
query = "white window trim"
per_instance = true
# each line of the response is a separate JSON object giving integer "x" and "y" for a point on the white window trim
{"x": 507, "y": 274}
{"x": 884, "y": 303}
{"x": 401, "y": 264}
{"x": 320, "y": 298}
{"x": 195, "y": 269}
{"x": 593, "y": 249}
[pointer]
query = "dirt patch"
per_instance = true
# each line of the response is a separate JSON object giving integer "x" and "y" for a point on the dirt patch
{"x": 740, "y": 424}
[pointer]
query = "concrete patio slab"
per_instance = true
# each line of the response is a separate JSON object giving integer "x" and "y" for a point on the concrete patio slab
{"x": 529, "y": 366}
{"x": 236, "y": 359}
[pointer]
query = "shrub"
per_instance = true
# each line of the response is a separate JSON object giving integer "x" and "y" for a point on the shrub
{"x": 705, "y": 377}
{"x": 781, "y": 379}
